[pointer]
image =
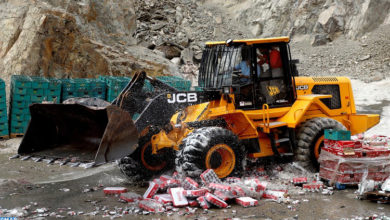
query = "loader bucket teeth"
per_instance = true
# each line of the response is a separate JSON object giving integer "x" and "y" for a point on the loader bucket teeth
{"x": 79, "y": 132}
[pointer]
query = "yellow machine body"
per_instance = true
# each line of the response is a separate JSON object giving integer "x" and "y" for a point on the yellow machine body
{"x": 248, "y": 124}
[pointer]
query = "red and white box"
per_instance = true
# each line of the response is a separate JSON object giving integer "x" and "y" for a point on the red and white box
{"x": 175, "y": 175}
{"x": 231, "y": 180}
{"x": 189, "y": 183}
{"x": 195, "y": 193}
{"x": 130, "y": 197}
{"x": 159, "y": 183}
{"x": 165, "y": 178}
{"x": 213, "y": 199}
{"x": 299, "y": 180}
{"x": 203, "y": 202}
{"x": 178, "y": 199}
{"x": 256, "y": 184}
{"x": 114, "y": 190}
{"x": 274, "y": 195}
{"x": 224, "y": 195}
{"x": 247, "y": 201}
{"x": 238, "y": 191}
{"x": 172, "y": 183}
{"x": 313, "y": 186}
{"x": 153, "y": 187}
{"x": 151, "y": 205}
{"x": 209, "y": 176}
{"x": 220, "y": 186}
{"x": 163, "y": 198}
{"x": 193, "y": 203}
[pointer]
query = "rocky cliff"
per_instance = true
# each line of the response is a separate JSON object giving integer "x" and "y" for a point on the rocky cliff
{"x": 85, "y": 38}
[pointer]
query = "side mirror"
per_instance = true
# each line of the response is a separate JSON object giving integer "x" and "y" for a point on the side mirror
{"x": 294, "y": 69}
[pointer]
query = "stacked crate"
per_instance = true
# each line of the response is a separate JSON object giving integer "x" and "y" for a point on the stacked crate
{"x": 348, "y": 162}
{"x": 176, "y": 82}
{"x": 4, "y": 132}
{"x": 53, "y": 93}
{"x": 115, "y": 85}
{"x": 21, "y": 93}
{"x": 83, "y": 88}
{"x": 38, "y": 90}
{"x": 26, "y": 90}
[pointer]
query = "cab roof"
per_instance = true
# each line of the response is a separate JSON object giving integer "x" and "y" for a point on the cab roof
{"x": 284, "y": 39}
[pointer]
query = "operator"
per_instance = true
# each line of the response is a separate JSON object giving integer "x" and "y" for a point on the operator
{"x": 244, "y": 66}
{"x": 273, "y": 59}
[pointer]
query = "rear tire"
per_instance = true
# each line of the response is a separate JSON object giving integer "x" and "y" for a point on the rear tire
{"x": 210, "y": 148}
{"x": 142, "y": 164}
{"x": 310, "y": 139}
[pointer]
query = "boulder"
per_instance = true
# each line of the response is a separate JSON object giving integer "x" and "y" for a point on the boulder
{"x": 187, "y": 56}
{"x": 319, "y": 39}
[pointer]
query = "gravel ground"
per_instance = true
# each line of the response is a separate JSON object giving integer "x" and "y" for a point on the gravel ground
{"x": 367, "y": 58}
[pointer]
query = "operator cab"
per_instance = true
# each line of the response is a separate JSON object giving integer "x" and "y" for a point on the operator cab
{"x": 257, "y": 71}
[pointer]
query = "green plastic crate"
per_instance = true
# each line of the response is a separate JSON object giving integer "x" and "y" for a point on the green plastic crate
{"x": 83, "y": 92}
{"x": 3, "y": 112}
{"x": 3, "y": 105}
{"x": 81, "y": 83}
{"x": 17, "y": 130}
{"x": 2, "y": 92}
{"x": 51, "y": 98}
{"x": 20, "y": 90}
{"x": 4, "y": 132}
{"x": 21, "y": 123}
{"x": 3, "y": 119}
{"x": 3, "y": 126}
{"x": 21, "y": 81}
{"x": 25, "y": 110}
{"x": 38, "y": 82}
{"x": 16, "y": 117}
{"x": 54, "y": 84}
{"x": 36, "y": 91}
{"x": 53, "y": 92}
{"x": 20, "y": 104}
{"x": 337, "y": 135}
{"x": 37, "y": 98}
{"x": 21, "y": 97}
{"x": 2, "y": 84}
{"x": 3, "y": 99}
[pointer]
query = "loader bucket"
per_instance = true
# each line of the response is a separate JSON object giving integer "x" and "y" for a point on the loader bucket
{"x": 86, "y": 134}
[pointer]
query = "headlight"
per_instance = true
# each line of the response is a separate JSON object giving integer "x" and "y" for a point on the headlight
{"x": 226, "y": 90}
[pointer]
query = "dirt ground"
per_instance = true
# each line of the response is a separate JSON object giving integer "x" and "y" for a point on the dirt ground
{"x": 60, "y": 190}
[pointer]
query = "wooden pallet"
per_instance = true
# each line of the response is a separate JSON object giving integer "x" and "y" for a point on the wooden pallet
{"x": 5, "y": 137}
{"x": 16, "y": 135}
{"x": 377, "y": 196}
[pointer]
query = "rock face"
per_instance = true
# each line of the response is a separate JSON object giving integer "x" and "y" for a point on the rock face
{"x": 85, "y": 38}
{"x": 72, "y": 38}
{"x": 352, "y": 18}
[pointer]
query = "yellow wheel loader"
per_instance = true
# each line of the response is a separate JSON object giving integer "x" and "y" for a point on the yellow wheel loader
{"x": 253, "y": 104}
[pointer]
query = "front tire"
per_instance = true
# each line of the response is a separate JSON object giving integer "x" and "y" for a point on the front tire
{"x": 210, "y": 148}
{"x": 142, "y": 164}
{"x": 310, "y": 139}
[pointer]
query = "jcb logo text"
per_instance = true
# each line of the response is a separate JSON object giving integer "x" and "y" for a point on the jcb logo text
{"x": 182, "y": 97}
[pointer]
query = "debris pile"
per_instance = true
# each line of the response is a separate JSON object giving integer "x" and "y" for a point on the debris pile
{"x": 169, "y": 193}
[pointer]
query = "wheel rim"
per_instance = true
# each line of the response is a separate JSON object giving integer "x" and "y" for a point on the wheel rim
{"x": 151, "y": 161}
{"x": 221, "y": 159}
{"x": 317, "y": 147}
